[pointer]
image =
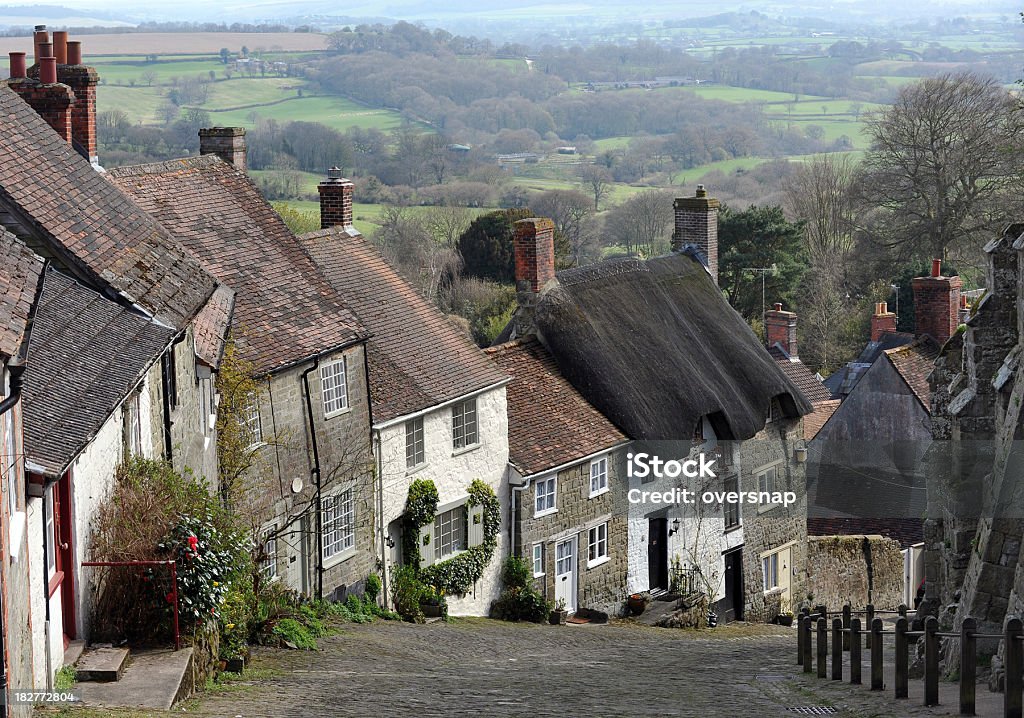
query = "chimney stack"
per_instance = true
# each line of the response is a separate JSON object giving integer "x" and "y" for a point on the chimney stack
{"x": 335, "y": 200}
{"x": 83, "y": 81}
{"x": 51, "y": 100}
{"x": 228, "y": 143}
{"x": 696, "y": 225}
{"x": 533, "y": 245}
{"x": 882, "y": 321}
{"x": 937, "y": 304}
{"x": 780, "y": 328}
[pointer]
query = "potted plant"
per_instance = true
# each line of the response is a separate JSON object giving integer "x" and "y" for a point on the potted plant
{"x": 785, "y": 618}
{"x": 637, "y": 603}
{"x": 558, "y": 614}
{"x": 432, "y": 603}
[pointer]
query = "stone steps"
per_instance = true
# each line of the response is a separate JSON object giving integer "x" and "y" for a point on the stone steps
{"x": 104, "y": 665}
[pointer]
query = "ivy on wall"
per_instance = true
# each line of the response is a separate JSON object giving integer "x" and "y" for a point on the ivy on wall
{"x": 456, "y": 575}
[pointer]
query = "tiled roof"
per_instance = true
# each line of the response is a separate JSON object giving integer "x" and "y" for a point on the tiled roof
{"x": 915, "y": 362}
{"x": 90, "y": 225}
{"x": 823, "y": 411}
{"x": 908, "y": 531}
{"x": 802, "y": 377}
{"x": 212, "y": 324}
{"x": 86, "y": 353}
{"x": 19, "y": 276}
{"x": 418, "y": 357}
{"x": 284, "y": 309}
{"x": 549, "y": 422}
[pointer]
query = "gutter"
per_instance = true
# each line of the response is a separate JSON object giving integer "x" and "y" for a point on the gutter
{"x": 422, "y": 412}
{"x": 166, "y": 384}
{"x": 554, "y": 469}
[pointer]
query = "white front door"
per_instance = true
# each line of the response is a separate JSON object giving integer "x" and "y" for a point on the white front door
{"x": 565, "y": 573}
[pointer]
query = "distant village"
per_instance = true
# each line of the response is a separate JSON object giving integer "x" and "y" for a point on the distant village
{"x": 164, "y": 313}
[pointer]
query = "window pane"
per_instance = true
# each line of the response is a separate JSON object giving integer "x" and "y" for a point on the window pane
{"x": 450, "y": 532}
{"x": 538, "y": 558}
{"x": 334, "y": 387}
{"x": 414, "y": 449}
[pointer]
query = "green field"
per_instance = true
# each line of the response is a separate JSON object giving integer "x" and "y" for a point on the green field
{"x": 336, "y": 112}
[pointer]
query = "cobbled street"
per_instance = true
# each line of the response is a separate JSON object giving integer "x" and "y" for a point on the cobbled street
{"x": 487, "y": 668}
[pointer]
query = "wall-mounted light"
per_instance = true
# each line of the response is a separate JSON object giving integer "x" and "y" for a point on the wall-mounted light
{"x": 675, "y": 527}
{"x": 800, "y": 455}
{"x": 389, "y": 542}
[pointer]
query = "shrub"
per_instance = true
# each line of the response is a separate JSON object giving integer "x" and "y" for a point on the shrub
{"x": 519, "y": 600}
{"x": 373, "y": 586}
{"x": 406, "y": 592}
{"x": 292, "y": 631}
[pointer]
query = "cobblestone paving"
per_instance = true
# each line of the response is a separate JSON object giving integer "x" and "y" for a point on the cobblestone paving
{"x": 477, "y": 667}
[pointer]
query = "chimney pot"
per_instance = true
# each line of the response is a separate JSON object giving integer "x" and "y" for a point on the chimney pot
{"x": 17, "y": 65}
{"x": 60, "y": 46}
{"x": 74, "y": 52}
{"x": 38, "y": 37}
{"x": 48, "y": 70}
{"x": 45, "y": 50}
{"x": 334, "y": 174}
{"x": 936, "y": 267}
{"x": 778, "y": 306}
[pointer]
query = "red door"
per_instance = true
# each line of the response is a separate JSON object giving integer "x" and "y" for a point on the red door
{"x": 61, "y": 564}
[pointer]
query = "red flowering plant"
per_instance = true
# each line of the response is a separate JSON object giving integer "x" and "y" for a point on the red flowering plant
{"x": 207, "y": 561}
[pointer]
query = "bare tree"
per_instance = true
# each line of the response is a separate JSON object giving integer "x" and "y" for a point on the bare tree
{"x": 598, "y": 181}
{"x": 641, "y": 223}
{"x": 821, "y": 193}
{"x": 572, "y": 213}
{"x": 944, "y": 163}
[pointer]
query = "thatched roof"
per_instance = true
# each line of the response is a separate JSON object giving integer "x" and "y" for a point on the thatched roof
{"x": 654, "y": 346}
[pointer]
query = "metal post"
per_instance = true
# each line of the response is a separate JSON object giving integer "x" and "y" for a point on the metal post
{"x": 837, "y": 649}
{"x": 800, "y": 639}
{"x": 855, "y": 651}
{"x": 847, "y": 615}
{"x": 931, "y": 662}
{"x": 1014, "y": 662}
{"x": 174, "y": 601}
{"x": 877, "y": 680}
{"x": 968, "y": 665}
{"x": 822, "y": 645}
{"x": 902, "y": 659}
{"x": 808, "y": 663}
{"x": 869, "y": 618}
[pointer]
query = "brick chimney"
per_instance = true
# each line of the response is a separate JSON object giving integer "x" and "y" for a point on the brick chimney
{"x": 533, "y": 244}
{"x": 228, "y": 143}
{"x": 83, "y": 81}
{"x": 937, "y": 304}
{"x": 882, "y": 321}
{"x": 335, "y": 200}
{"x": 696, "y": 224}
{"x": 780, "y": 328}
{"x": 50, "y": 99}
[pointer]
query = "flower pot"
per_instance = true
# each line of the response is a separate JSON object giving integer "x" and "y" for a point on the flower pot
{"x": 557, "y": 618}
{"x": 636, "y": 604}
{"x": 785, "y": 619}
{"x": 234, "y": 665}
{"x": 432, "y": 610}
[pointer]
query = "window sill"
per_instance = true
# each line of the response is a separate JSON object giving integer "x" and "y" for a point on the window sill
{"x": 545, "y": 512}
{"x": 466, "y": 449}
{"x": 598, "y": 562}
{"x": 539, "y": 575}
{"x": 599, "y": 492}
{"x": 337, "y": 412}
{"x": 765, "y": 508}
{"x": 730, "y": 529}
{"x": 417, "y": 469}
{"x": 339, "y": 558}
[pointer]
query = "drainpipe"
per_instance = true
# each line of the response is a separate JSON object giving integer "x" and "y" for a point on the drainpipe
{"x": 166, "y": 382}
{"x": 513, "y": 489}
{"x": 17, "y": 371}
{"x": 380, "y": 517}
{"x": 316, "y": 477}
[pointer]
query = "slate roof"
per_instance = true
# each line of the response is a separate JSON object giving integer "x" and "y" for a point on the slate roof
{"x": 20, "y": 270}
{"x": 842, "y": 380}
{"x": 88, "y": 224}
{"x": 803, "y": 378}
{"x": 86, "y": 354}
{"x": 212, "y": 324}
{"x": 285, "y": 311}
{"x": 654, "y": 346}
{"x": 915, "y": 362}
{"x": 549, "y": 422}
{"x": 418, "y": 357}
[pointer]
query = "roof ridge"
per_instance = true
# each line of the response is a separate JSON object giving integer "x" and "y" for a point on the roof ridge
{"x": 148, "y": 168}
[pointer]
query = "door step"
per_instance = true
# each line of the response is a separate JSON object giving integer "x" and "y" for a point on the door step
{"x": 102, "y": 664}
{"x": 73, "y": 652}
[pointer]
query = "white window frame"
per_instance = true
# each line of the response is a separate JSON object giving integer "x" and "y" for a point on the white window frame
{"x": 456, "y": 544}
{"x": 414, "y": 432}
{"x": 599, "y": 476}
{"x": 597, "y": 545}
{"x": 545, "y": 496}
{"x": 770, "y": 572}
{"x": 50, "y": 532}
{"x": 537, "y": 554}
{"x": 253, "y": 421}
{"x": 133, "y": 423}
{"x": 10, "y": 464}
{"x": 461, "y": 424}
{"x": 338, "y": 517}
{"x": 270, "y": 567}
{"x": 334, "y": 387}
{"x": 764, "y": 484}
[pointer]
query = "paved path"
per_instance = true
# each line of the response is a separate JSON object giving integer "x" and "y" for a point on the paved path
{"x": 487, "y": 668}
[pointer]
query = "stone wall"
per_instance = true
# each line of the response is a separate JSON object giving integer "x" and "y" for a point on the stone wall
{"x": 601, "y": 587}
{"x": 841, "y": 570}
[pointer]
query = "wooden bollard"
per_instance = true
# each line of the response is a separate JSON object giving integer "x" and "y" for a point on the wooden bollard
{"x": 1014, "y": 662}
{"x": 800, "y": 639}
{"x": 902, "y": 689}
{"x": 837, "y": 649}
{"x": 931, "y": 662}
{"x": 855, "y": 651}
{"x": 808, "y": 661}
{"x": 902, "y": 610}
{"x": 877, "y": 679}
{"x": 822, "y": 645}
{"x": 847, "y": 615}
{"x": 968, "y": 665}
{"x": 869, "y": 617}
